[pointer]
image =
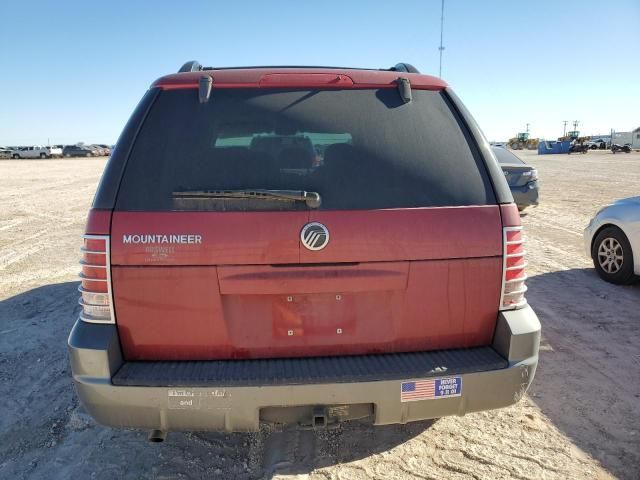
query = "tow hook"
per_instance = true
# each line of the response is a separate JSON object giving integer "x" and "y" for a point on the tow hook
{"x": 319, "y": 417}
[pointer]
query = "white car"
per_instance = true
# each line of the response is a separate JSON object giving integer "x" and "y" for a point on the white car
{"x": 36, "y": 151}
{"x": 596, "y": 144}
{"x": 612, "y": 240}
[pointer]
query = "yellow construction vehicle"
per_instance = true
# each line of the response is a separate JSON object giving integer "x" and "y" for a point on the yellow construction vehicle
{"x": 523, "y": 141}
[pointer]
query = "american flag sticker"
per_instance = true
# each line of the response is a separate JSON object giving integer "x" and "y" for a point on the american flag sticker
{"x": 431, "y": 388}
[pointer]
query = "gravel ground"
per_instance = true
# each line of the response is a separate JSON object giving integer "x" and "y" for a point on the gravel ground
{"x": 581, "y": 418}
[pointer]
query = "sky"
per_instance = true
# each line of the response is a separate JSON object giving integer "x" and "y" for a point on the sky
{"x": 74, "y": 70}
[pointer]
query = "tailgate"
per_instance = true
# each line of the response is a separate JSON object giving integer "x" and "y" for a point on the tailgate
{"x": 206, "y": 250}
{"x": 212, "y": 285}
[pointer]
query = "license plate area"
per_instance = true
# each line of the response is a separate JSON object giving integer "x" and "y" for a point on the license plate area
{"x": 314, "y": 315}
{"x": 312, "y": 319}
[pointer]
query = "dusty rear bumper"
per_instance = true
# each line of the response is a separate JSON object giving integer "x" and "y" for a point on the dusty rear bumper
{"x": 96, "y": 358}
{"x": 526, "y": 195}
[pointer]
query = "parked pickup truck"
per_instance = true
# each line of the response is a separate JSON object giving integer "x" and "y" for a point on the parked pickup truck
{"x": 36, "y": 151}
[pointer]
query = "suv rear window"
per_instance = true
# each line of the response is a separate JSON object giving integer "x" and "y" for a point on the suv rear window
{"x": 359, "y": 149}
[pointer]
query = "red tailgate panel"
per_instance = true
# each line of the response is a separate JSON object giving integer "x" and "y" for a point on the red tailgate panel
{"x": 408, "y": 234}
{"x": 287, "y": 280}
{"x": 389, "y": 281}
{"x": 167, "y": 314}
{"x": 226, "y": 238}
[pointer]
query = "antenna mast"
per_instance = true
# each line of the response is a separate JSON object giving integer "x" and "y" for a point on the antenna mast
{"x": 441, "y": 47}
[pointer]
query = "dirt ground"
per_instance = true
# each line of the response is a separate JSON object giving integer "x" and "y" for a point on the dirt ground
{"x": 580, "y": 419}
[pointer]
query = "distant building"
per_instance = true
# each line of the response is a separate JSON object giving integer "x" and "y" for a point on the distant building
{"x": 635, "y": 138}
{"x": 622, "y": 137}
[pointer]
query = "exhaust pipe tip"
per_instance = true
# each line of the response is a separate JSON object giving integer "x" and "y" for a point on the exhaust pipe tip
{"x": 157, "y": 436}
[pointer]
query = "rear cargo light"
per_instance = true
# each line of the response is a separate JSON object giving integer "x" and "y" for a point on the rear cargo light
{"x": 513, "y": 272}
{"x": 96, "y": 298}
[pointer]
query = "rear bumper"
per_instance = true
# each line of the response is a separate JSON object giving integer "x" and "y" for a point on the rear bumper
{"x": 527, "y": 195}
{"x": 193, "y": 402}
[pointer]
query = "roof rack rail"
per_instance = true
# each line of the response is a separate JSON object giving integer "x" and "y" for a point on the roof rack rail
{"x": 284, "y": 66}
{"x": 194, "y": 66}
{"x": 404, "y": 67}
{"x": 191, "y": 66}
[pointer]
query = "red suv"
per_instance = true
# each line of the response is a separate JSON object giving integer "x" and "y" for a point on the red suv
{"x": 300, "y": 245}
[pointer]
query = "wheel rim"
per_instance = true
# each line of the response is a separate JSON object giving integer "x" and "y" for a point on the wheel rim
{"x": 610, "y": 255}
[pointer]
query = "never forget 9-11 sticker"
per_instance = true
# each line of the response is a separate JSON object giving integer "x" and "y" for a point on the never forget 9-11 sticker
{"x": 430, "y": 388}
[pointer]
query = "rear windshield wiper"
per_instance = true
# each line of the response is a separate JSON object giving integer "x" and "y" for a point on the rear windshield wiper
{"x": 312, "y": 199}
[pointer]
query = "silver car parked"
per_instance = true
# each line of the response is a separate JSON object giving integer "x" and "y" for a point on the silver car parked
{"x": 612, "y": 240}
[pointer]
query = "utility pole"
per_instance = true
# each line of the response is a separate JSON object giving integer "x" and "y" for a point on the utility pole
{"x": 564, "y": 131}
{"x": 441, "y": 47}
{"x": 575, "y": 125}
{"x": 527, "y": 128}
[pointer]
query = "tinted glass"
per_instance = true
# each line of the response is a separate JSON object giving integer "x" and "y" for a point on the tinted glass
{"x": 505, "y": 156}
{"x": 359, "y": 149}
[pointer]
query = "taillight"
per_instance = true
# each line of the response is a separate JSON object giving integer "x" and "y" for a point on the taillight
{"x": 513, "y": 272}
{"x": 96, "y": 299}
